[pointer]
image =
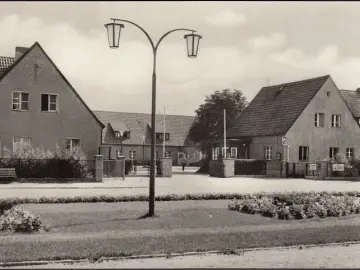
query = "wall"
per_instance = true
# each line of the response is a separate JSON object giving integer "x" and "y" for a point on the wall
{"x": 319, "y": 139}
{"x": 258, "y": 144}
{"x": 144, "y": 152}
{"x": 45, "y": 128}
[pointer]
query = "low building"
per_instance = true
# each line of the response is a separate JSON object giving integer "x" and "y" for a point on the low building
{"x": 129, "y": 134}
{"x": 40, "y": 107}
{"x": 303, "y": 121}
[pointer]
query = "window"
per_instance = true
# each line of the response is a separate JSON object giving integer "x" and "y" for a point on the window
{"x": 118, "y": 153}
{"x": 49, "y": 102}
{"x": 72, "y": 143}
{"x": 19, "y": 141}
{"x": 268, "y": 152}
{"x": 160, "y": 136}
{"x": 167, "y": 154}
{"x": 157, "y": 155}
{"x": 20, "y": 101}
{"x": 349, "y": 153}
{"x": 223, "y": 152}
{"x": 303, "y": 153}
{"x": 126, "y": 135}
{"x": 319, "y": 120}
{"x": 215, "y": 153}
{"x": 333, "y": 152}
{"x": 132, "y": 154}
{"x": 335, "y": 120}
{"x": 233, "y": 152}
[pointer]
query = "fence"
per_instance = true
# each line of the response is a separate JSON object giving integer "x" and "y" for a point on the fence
{"x": 50, "y": 168}
{"x": 111, "y": 169}
{"x": 250, "y": 167}
{"x": 302, "y": 169}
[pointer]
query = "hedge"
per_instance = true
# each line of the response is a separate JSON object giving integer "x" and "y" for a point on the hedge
{"x": 282, "y": 197}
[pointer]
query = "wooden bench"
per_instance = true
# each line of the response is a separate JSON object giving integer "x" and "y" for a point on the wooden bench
{"x": 7, "y": 173}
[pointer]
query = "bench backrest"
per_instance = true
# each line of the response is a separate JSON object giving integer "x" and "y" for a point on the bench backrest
{"x": 7, "y": 171}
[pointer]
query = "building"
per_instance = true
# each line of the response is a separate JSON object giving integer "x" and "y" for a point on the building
{"x": 303, "y": 121}
{"x": 39, "y": 106}
{"x": 129, "y": 134}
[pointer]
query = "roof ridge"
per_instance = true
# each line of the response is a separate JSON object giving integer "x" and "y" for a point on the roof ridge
{"x": 347, "y": 90}
{"x": 301, "y": 81}
{"x": 143, "y": 113}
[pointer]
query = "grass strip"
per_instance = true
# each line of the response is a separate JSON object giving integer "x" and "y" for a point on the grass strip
{"x": 94, "y": 249}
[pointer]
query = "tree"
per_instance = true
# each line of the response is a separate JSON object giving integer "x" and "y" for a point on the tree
{"x": 209, "y": 121}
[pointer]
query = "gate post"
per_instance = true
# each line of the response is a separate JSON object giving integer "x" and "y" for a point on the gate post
{"x": 99, "y": 166}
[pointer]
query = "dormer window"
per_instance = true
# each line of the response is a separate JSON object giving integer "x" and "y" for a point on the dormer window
{"x": 160, "y": 136}
{"x": 126, "y": 135}
{"x": 117, "y": 135}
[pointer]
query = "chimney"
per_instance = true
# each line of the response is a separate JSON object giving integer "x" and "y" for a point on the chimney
{"x": 19, "y": 51}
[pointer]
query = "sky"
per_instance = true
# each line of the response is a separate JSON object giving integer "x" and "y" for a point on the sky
{"x": 245, "y": 46}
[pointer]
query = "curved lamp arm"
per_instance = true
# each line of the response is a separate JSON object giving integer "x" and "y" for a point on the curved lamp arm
{"x": 142, "y": 29}
{"x": 169, "y": 32}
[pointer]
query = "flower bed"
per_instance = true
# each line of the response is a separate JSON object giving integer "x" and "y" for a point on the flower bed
{"x": 299, "y": 205}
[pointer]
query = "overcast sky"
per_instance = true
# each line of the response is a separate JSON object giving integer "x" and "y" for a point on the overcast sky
{"x": 244, "y": 46}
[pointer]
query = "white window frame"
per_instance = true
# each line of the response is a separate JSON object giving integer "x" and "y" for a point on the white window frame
{"x": 215, "y": 153}
{"x": 132, "y": 154}
{"x": 231, "y": 152}
{"x": 349, "y": 153}
{"x": 302, "y": 148}
{"x": 318, "y": 118}
{"x": 71, "y": 139}
{"x": 20, "y": 101}
{"x": 117, "y": 152}
{"x": 57, "y": 102}
{"x": 224, "y": 151}
{"x": 332, "y": 152}
{"x": 335, "y": 120}
{"x": 268, "y": 152}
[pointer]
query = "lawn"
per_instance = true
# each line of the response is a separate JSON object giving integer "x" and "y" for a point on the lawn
{"x": 93, "y": 230}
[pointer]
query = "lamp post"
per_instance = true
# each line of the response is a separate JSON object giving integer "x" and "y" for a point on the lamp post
{"x": 192, "y": 41}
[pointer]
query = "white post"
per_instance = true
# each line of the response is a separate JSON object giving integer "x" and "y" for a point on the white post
{"x": 224, "y": 133}
{"x": 164, "y": 135}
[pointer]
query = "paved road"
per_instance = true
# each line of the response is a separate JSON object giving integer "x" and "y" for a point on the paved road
{"x": 337, "y": 256}
{"x": 179, "y": 183}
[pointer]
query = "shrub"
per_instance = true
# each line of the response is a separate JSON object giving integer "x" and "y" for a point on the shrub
{"x": 299, "y": 205}
{"x": 6, "y": 204}
{"x": 19, "y": 220}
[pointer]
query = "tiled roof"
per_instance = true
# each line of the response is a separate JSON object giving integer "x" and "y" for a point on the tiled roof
{"x": 352, "y": 98}
{"x": 275, "y": 108}
{"x": 5, "y": 63}
{"x": 139, "y": 125}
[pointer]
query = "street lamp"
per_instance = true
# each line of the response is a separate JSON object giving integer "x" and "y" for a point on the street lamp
{"x": 192, "y": 42}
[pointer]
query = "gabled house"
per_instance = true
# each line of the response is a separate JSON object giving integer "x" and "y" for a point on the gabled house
{"x": 40, "y": 107}
{"x": 129, "y": 134}
{"x": 303, "y": 121}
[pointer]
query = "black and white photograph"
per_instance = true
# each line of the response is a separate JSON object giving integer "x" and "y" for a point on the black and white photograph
{"x": 179, "y": 134}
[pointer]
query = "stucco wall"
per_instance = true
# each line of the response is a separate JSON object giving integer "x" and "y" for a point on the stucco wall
{"x": 258, "y": 144}
{"x": 45, "y": 128}
{"x": 320, "y": 139}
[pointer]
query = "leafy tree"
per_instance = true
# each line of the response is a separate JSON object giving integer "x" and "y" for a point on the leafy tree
{"x": 209, "y": 121}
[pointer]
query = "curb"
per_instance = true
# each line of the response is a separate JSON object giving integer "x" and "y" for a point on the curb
{"x": 169, "y": 255}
